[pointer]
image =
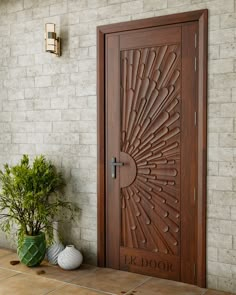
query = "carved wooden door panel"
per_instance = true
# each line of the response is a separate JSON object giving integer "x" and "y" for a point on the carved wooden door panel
{"x": 151, "y": 151}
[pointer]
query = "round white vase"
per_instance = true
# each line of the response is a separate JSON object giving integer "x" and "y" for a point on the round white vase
{"x": 56, "y": 248}
{"x": 70, "y": 258}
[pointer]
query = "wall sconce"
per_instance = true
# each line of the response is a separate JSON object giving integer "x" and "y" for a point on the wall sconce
{"x": 52, "y": 42}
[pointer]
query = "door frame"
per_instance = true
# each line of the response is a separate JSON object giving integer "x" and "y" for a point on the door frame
{"x": 201, "y": 16}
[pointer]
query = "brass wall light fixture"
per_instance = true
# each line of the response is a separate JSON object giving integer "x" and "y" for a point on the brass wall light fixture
{"x": 52, "y": 42}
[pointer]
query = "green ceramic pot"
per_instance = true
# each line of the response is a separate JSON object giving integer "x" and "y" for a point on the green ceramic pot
{"x": 33, "y": 250}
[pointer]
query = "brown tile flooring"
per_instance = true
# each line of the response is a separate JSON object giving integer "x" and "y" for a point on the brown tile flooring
{"x": 87, "y": 280}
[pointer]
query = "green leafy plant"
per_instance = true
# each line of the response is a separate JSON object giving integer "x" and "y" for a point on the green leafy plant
{"x": 31, "y": 197}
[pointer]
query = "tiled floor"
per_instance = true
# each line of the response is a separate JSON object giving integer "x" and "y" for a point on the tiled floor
{"x": 87, "y": 280}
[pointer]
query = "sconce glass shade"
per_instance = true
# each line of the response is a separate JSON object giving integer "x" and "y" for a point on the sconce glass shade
{"x": 52, "y": 43}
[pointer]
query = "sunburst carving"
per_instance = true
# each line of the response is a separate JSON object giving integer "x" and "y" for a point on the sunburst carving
{"x": 150, "y": 134}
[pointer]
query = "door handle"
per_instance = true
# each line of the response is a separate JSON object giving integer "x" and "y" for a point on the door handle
{"x": 113, "y": 166}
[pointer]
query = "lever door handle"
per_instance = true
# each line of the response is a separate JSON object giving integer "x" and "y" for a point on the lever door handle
{"x": 113, "y": 166}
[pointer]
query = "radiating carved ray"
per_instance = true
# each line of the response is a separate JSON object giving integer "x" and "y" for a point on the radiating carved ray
{"x": 162, "y": 214}
{"x": 150, "y": 104}
{"x": 137, "y": 56}
{"x": 132, "y": 224}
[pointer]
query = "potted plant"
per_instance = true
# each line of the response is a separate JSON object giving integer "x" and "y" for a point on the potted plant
{"x": 31, "y": 198}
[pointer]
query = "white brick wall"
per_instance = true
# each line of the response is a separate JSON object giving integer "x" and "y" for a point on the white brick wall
{"x": 48, "y": 105}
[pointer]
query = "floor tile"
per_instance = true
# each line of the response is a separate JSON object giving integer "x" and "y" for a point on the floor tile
{"x": 165, "y": 287}
{"x": 214, "y": 292}
{"x": 4, "y": 252}
{"x": 87, "y": 280}
{"x": 4, "y": 274}
{"x": 51, "y": 272}
{"x": 23, "y": 284}
{"x": 74, "y": 290}
{"x": 110, "y": 280}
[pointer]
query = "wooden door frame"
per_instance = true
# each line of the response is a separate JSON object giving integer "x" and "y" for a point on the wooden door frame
{"x": 201, "y": 16}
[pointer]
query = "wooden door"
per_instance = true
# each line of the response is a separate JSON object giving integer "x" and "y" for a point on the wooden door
{"x": 151, "y": 151}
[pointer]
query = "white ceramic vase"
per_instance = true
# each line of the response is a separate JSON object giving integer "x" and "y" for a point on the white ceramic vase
{"x": 56, "y": 248}
{"x": 70, "y": 258}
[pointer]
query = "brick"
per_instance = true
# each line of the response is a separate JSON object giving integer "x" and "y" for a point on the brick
{"x": 219, "y": 241}
{"x": 219, "y": 95}
{"x": 214, "y": 22}
{"x": 70, "y": 115}
{"x": 219, "y": 212}
{"x": 83, "y": 126}
{"x": 88, "y": 15}
{"x": 81, "y": 90}
{"x": 88, "y": 114}
{"x": 88, "y": 234}
{"x": 154, "y": 4}
{"x": 13, "y": 6}
{"x": 228, "y": 20}
{"x": 74, "y": 5}
{"x": 224, "y": 198}
{"x": 224, "y": 80}
{"x": 87, "y": 162}
{"x": 97, "y": 3}
{"x": 219, "y": 125}
{"x": 211, "y": 280}
{"x": 22, "y": 127}
{"x": 142, "y": 15}
{"x": 220, "y": 7}
{"x": 71, "y": 138}
{"x": 73, "y": 18}
{"x": 233, "y": 212}
{"x": 220, "y": 154}
{"x": 44, "y": 115}
{"x": 134, "y": 6}
{"x": 227, "y": 50}
{"x": 109, "y": 11}
{"x": 43, "y": 127}
{"x": 60, "y": 79}
{"x": 34, "y": 71}
{"x": 4, "y": 30}
{"x": 26, "y": 60}
{"x": 227, "y": 168}
{"x": 52, "y": 138}
{"x": 212, "y": 254}
{"x": 36, "y": 138}
{"x": 27, "y": 149}
{"x": 78, "y": 30}
{"x": 226, "y": 284}
{"x": 228, "y": 139}
{"x": 221, "y": 66}
{"x": 220, "y": 183}
{"x": 61, "y": 126}
{"x": 58, "y": 8}
{"x": 228, "y": 109}
{"x": 214, "y": 52}
{"x": 227, "y": 227}
{"x": 66, "y": 90}
{"x": 48, "y": 149}
{"x": 41, "y": 104}
{"x": 221, "y": 36}
{"x": 214, "y": 110}
{"x": 5, "y": 138}
{"x": 213, "y": 168}
{"x": 24, "y": 15}
{"x": 59, "y": 103}
{"x": 87, "y": 40}
{"x": 77, "y": 102}
{"x": 88, "y": 138}
{"x": 213, "y": 139}
{"x": 40, "y": 12}
{"x": 18, "y": 116}
{"x": 43, "y": 81}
